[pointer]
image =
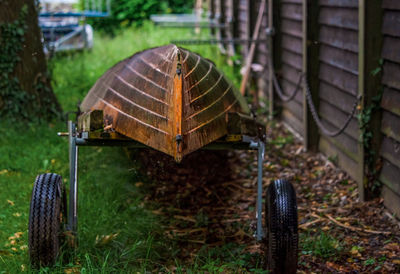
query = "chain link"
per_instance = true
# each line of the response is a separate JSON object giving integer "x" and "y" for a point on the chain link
{"x": 318, "y": 121}
{"x": 310, "y": 102}
{"x": 278, "y": 89}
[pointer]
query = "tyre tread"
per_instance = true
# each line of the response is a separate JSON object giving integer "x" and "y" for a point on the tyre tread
{"x": 44, "y": 219}
{"x": 281, "y": 208}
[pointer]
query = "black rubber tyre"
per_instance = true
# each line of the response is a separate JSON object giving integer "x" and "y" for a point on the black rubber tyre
{"x": 46, "y": 219}
{"x": 282, "y": 227}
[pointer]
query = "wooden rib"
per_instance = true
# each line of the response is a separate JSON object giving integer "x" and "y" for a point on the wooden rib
{"x": 145, "y": 78}
{"x": 202, "y": 78}
{"x": 138, "y": 90}
{"x": 135, "y": 104}
{"x": 194, "y": 68}
{"x": 209, "y": 121}
{"x": 186, "y": 57}
{"x": 210, "y": 105}
{"x": 154, "y": 66}
{"x": 207, "y": 91}
{"x": 132, "y": 117}
{"x": 162, "y": 56}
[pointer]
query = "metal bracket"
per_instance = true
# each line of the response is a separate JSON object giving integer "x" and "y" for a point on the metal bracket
{"x": 84, "y": 140}
{"x": 73, "y": 179}
{"x": 270, "y": 31}
{"x": 260, "y": 146}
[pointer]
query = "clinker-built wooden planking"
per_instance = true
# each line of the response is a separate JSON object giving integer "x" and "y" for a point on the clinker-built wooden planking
{"x": 390, "y": 150}
{"x": 167, "y": 98}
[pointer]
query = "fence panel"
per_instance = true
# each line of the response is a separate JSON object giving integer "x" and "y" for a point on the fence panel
{"x": 338, "y": 77}
{"x": 289, "y": 67}
{"x": 390, "y": 150}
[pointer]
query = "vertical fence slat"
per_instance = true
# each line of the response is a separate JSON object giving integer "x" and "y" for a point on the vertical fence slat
{"x": 311, "y": 68}
{"x": 369, "y": 85}
{"x": 270, "y": 53}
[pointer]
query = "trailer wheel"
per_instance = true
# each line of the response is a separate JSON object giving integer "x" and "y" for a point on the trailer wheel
{"x": 46, "y": 219}
{"x": 282, "y": 227}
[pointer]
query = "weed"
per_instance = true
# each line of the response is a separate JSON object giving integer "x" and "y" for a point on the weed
{"x": 322, "y": 245}
{"x": 369, "y": 261}
{"x": 334, "y": 159}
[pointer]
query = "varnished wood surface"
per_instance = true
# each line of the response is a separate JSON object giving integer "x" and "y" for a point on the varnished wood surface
{"x": 145, "y": 98}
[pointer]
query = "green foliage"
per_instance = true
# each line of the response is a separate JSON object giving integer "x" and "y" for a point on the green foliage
{"x": 15, "y": 102}
{"x": 372, "y": 182}
{"x": 12, "y": 96}
{"x": 229, "y": 258}
{"x": 323, "y": 245}
{"x": 135, "y": 12}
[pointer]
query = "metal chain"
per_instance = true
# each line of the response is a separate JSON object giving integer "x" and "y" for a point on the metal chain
{"x": 275, "y": 82}
{"x": 216, "y": 41}
{"x": 310, "y": 102}
{"x": 318, "y": 121}
{"x": 279, "y": 91}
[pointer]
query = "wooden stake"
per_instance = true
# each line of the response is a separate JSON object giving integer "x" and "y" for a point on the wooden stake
{"x": 250, "y": 56}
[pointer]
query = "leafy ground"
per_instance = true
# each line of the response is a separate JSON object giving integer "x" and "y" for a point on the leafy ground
{"x": 140, "y": 212}
{"x": 214, "y": 206}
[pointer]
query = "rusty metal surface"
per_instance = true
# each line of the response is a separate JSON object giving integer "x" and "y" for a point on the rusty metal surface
{"x": 167, "y": 98}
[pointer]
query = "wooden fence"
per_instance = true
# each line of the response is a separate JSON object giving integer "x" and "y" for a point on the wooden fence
{"x": 346, "y": 48}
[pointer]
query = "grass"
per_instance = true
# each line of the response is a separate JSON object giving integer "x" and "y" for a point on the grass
{"x": 117, "y": 231}
{"x": 322, "y": 245}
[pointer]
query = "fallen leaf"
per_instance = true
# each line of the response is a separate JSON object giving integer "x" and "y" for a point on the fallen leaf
{"x": 392, "y": 247}
{"x": 10, "y": 202}
{"x": 16, "y": 235}
{"x": 4, "y": 171}
{"x": 105, "y": 239}
{"x": 72, "y": 270}
{"x": 5, "y": 252}
{"x": 325, "y": 228}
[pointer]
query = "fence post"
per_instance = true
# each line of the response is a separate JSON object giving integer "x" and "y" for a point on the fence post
{"x": 275, "y": 42}
{"x": 211, "y": 7}
{"x": 369, "y": 85}
{"x": 270, "y": 13}
{"x": 311, "y": 70}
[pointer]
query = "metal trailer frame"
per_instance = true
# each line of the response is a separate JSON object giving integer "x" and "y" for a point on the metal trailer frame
{"x": 85, "y": 30}
{"x": 77, "y": 139}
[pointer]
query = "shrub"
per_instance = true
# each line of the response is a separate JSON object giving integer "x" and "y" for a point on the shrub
{"x": 134, "y": 12}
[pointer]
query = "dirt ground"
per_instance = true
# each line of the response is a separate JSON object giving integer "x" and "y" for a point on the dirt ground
{"x": 210, "y": 199}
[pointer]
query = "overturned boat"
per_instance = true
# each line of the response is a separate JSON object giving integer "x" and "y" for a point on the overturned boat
{"x": 174, "y": 101}
{"x": 167, "y": 98}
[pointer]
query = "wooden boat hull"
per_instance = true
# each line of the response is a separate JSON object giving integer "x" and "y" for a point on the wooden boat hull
{"x": 167, "y": 98}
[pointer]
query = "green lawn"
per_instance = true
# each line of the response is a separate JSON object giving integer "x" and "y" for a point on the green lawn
{"x": 117, "y": 232}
